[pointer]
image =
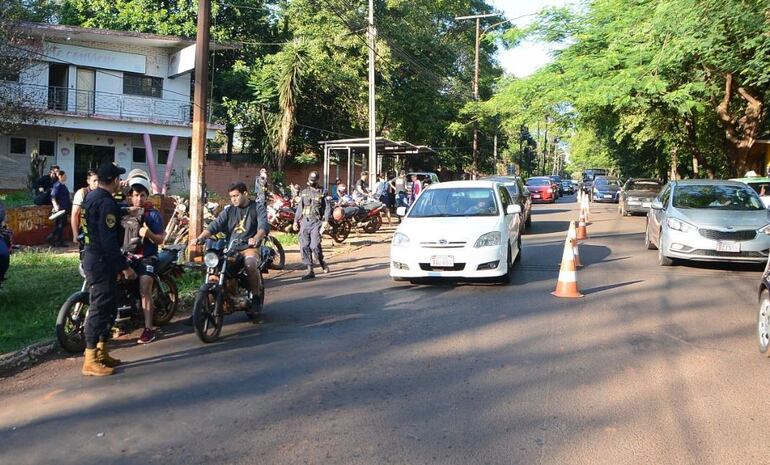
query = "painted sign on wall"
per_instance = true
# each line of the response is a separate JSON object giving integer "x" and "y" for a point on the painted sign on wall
{"x": 95, "y": 58}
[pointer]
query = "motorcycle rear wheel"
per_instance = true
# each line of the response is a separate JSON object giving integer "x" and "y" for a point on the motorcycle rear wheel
{"x": 165, "y": 304}
{"x": 208, "y": 314}
{"x": 70, "y": 323}
{"x": 279, "y": 262}
{"x": 373, "y": 225}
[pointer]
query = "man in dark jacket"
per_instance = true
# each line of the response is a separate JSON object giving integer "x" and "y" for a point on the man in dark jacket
{"x": 44, "y": 185}
{"x": 102, "y": 261}
{"x": 312, "y": 217}
{"x": 60, "y": 198}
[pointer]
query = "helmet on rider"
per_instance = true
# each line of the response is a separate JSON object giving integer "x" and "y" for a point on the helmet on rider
{"x": 342, "y": 189}
{"x": 312, "y": 178}
{"x": 137, "y": 173}
{"x": 138, "y": 180}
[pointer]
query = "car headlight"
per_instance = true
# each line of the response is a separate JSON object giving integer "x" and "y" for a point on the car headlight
{"x": 211, "y": 260}
{"x": 488, "y": 240}
{"x": 679, "y": 225}
{"x": 764, "y": 229}
{"x": 400, "y": 240}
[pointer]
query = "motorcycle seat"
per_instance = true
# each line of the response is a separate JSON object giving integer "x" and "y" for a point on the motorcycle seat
{"x": 165, "y": 258}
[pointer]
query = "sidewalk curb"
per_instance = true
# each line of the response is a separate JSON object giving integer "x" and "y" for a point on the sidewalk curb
{"x": 26, "y": 356}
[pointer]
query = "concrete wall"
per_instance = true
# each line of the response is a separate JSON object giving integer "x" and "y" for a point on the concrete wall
{"x": 220, "y": 174}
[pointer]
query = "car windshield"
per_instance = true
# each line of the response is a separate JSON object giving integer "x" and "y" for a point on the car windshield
{"x": 538, "y": 182}
{"x": 716, "y": 197}
{"x": 603, "y": 182}
{"x": 461, "y": 201}
{"x": 644, "y": 186}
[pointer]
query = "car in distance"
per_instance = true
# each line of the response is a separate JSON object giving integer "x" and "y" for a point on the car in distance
{"x": 421, "y": 176}
{"x": 556, "y": 182}
{"x": 567, "y": 187}
{"x": 636, "y": 195}
{"x": 519, "y": 194}
{"x": 605, "y": 189}
{"x": 761, "y": 186}
{"x": 708, "y": 220}
{"x": 458, "y": 229}
{"x": 541, "y": 189}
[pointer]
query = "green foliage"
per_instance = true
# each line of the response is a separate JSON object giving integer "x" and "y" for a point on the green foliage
{"x": 16, "y": 199}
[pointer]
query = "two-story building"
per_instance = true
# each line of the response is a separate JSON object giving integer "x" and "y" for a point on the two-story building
{"x": 103, "y": 96}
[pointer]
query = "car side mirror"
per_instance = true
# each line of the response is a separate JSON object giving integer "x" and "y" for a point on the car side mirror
{"x": 513, "y": 210}
{"x": 656, "y": 205}
{"x": 401, "y": 211}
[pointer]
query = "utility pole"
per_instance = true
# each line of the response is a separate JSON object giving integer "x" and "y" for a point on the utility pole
{"x": 372, "y": 115}
{"x": 474, "y": 163}
{"x": 200, "y": 99}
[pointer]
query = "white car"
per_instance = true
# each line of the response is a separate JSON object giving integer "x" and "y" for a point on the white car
{"x": 458, "y": 229}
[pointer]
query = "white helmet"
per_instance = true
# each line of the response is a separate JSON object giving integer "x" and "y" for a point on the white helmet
{"x": 137, "y": 173}
{"x": 142, "y": 182}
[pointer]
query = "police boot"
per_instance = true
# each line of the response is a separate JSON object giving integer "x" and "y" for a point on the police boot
{"x": 104, "y": 356}
{"x": 310, "y": 274}
{"x": 92, "y": 367}
{"x": 325, "y": 267}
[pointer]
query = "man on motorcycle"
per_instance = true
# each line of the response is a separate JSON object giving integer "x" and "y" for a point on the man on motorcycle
{"x": 246, "y": 220}
{"x": 313, "y": 212}
{"x": 347, "y": 202}
{"x": 151, "y": 233}
{"x": 102, "y": 261}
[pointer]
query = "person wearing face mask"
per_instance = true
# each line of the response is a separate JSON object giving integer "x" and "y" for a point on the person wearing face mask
{"x": 311, "y": 217}
{"x": 260, "y": 186}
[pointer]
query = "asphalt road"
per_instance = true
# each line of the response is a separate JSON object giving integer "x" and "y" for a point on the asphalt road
{"x": 654, "y": 365}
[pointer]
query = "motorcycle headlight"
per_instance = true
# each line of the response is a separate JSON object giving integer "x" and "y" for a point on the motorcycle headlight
{"x": 211, "y": 260}
{"x": 488, "y": 240}
{"x": 679, "y": 225}
{"x": 400, "y": 240}
{"x": 764, "y": 229}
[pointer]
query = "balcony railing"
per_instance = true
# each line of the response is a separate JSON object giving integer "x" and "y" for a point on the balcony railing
{"x": 98, "y": 103}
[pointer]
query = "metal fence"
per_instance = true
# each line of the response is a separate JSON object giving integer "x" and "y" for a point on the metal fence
{"x": 81, "y": 102}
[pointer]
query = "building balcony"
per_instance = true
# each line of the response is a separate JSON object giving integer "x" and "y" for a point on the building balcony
{"x": 62, "y": 101}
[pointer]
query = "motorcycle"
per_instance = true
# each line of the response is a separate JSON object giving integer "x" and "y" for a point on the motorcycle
{"x": 368, "y": 216}
{"x": 339, "y": 225}
{"x": 70, "y": 322}
{"x": 280, "y": 213}
{"x": 225, "y": 290}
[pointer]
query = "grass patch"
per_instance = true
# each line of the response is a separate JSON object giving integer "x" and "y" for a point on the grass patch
{"x": 286, "y": 239}
{"x": 16, "y": 199}
{"x": 37, "y": 285}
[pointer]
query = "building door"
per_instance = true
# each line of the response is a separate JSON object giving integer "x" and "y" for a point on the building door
{"x": 86, "y": 85}
{"x": 58, "y": 83}
{"x": 89, "y": 157}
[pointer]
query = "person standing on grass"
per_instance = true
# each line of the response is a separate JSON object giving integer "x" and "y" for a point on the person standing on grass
{"x": 60, "y": 198}
{"x": 77, "y": 203}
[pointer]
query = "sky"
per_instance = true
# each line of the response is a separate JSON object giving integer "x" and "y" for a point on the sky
{"x": 527, "y": 57}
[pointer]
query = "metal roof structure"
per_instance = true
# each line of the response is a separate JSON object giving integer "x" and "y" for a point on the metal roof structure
{"x": 385, "y": 148}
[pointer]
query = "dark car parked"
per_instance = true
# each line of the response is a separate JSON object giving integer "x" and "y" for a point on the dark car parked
{"x": 567, "y": 187}
{"x": 519, "y": 194}
{"x": 637, "y": 195}
{"x": 556, "y": 181}
{"x": 605, "y": 189}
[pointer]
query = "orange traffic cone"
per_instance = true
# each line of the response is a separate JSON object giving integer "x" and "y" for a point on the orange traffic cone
{"x": 572, "y": 235}
{"x": 582, "y": 233}
{"x": 567, "y": 284}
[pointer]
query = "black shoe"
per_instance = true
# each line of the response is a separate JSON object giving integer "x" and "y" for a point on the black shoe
{"x": 310, "y": 274}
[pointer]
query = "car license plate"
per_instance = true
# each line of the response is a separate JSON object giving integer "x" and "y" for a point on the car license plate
{"x": 607, "y": 196}
{"x": 633, "y": 202}
{"x": 646, "y": 204}
{"x": 442, "y": 261}
{"x": 535, "y": 196}
{"x": 728, "y": 246}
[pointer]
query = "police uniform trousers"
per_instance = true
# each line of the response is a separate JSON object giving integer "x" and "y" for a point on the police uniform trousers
{"x": 101, "y": 279}
{"x": 310, "y": 240}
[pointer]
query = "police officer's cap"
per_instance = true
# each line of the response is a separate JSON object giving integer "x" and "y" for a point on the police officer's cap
{"x": 108, "y": 172}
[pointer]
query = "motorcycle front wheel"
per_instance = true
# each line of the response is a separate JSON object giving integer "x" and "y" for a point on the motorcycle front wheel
{"x": 279, "y": 262}
{"x": 208, "y": 314}
{"x": 165, "y": 299}
{"x": 373, "y": 225}
{"x": 340, "y": 232}
{"x": 71, "y": 321}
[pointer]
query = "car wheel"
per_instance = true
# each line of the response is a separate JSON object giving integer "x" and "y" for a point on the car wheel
{"x": 528, "y": 222}
{"x": 662, "y": 259}
{"x": 647, "y": 241}
{"x": 518, "y": 255}
{"x": 506, "y": 278}
{"x": 763, "y": 322}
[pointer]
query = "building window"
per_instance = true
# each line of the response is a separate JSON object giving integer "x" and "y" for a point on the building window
{"x": 140, "y": 155}
{"x": 139, "y": 84}
{"x": 46, "y": 147}
{"x": 162, "y": 157}
{"x": 18, "y": 145}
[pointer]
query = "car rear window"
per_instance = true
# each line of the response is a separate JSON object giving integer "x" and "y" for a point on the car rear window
{"x": 644, "y": 186}
{"x": 538, "y": 182}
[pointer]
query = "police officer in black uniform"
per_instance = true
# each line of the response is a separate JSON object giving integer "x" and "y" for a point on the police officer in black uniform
{"x": 102, "y": 262}
{"x": 312, "y": 216}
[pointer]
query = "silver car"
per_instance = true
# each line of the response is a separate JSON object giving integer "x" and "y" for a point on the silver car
{"x": 708, "y": 220}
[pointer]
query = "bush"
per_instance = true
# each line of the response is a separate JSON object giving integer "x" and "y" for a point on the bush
{"x": 16, "y": 199}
